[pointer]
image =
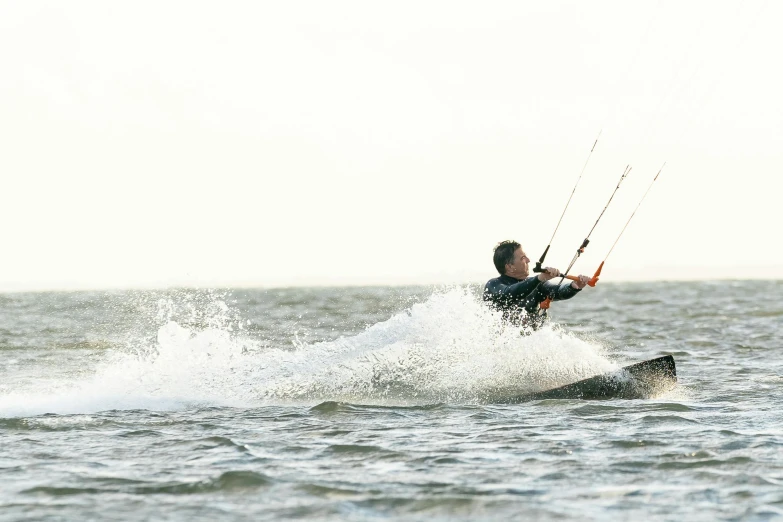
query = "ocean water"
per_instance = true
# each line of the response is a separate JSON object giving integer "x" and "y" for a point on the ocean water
{"x": 377, "y": 404}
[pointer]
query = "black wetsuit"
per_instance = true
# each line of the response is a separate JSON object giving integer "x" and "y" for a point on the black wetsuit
{"x": 518, "y": 299}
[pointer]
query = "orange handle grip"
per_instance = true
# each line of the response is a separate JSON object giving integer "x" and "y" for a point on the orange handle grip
{"x": 594, "y": 280}
{"x": 591, "y": 282}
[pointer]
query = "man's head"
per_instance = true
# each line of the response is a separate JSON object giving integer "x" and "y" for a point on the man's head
{"x": 511, "y": 260}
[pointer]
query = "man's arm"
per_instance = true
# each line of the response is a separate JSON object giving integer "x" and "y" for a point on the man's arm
{"x": 560, "y": 292}
{"x": 520, "y": 289}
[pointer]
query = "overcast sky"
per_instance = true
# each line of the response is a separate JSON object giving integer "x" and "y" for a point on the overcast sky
{"x": 149, "y": 144}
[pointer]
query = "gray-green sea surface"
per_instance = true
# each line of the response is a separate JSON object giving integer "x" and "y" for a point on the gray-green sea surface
{"x": 377, "y": 404}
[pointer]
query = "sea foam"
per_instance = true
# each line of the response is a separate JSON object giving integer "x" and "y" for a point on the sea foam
{"x": 448, "y": 348}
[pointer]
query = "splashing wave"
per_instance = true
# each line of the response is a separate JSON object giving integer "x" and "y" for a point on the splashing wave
{"x": 449, "y": 348}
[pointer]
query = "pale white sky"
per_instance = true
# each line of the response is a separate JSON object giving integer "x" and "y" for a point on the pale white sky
{"x": 153, "y": 143}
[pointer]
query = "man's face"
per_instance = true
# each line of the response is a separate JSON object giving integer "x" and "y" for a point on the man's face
{"x": 519, "y": 268}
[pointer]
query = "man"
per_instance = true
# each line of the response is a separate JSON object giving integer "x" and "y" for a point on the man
{"x": 517, "y": 295}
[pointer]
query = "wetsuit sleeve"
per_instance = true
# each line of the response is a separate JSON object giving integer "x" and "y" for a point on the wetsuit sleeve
{"x": 558, "y": 292}
{"x": 495, "y": 288}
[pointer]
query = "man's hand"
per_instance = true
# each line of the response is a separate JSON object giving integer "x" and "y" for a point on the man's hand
{"x": 583, "y": 280}
{"x": 548, "y": 274}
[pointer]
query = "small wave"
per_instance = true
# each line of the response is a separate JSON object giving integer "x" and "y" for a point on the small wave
{"x": 217, "y": 442}
{"x": 344, "y": 407}
{"x": 230, "y": 481}
{"x": 53, "y": 422}
{"x": 327, "y": 491}
{"x": 354, "y": 449}
{"x": 60, "y": 491}
{"x": 764, "y": 313}
{"x": 667, "y": 419}
{"x": 87, "y": 345}
{"x": 636, "y": 443}
{"x": 671, "y": 406}
{"x": 592, "y": 410}
{"x": 703, "y": 463}
{"x": 140, "y": 433}
{"x": 226, "y": 482}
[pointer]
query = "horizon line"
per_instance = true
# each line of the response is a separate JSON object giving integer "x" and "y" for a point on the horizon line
{"x": 342, "y": 284}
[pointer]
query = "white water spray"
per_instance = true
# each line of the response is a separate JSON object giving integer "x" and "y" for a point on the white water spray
{"x": 450, "y": 348}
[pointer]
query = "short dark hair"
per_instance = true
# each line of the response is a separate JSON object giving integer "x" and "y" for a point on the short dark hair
{"x": 504, "y": 254}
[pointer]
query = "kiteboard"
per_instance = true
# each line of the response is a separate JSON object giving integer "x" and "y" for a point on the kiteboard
{"x": 637, "y": 381}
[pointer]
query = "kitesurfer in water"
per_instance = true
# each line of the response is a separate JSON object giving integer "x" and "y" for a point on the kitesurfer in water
{"x": 519, "y": 296}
